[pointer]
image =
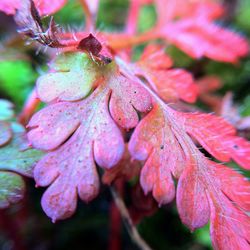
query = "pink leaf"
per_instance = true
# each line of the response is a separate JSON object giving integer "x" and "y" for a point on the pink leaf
{"x": 84, "y": 129}
{"x": 153, "y": 140}
{"x": 192, "y": 202}
{"x": 218, "y": 137}
{"x": 80, "y": 133}
{"x": 45, "y": 7}
{"x": 170, "y": 84}
{"x": 205, "y": 190}
{"x": 199, "y": 37}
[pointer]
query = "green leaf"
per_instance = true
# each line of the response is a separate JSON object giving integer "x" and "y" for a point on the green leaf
{"x": 16, "y": 77}
{"x": 147, "y": 18}
{"x": 11, "y": 188}
{"x": 5, "y": 133}
{"x": 245, "y": 107}
{"x": 73, "y": 77}
{"x": 16, "y": 156}
{"x": 6, "y": 110}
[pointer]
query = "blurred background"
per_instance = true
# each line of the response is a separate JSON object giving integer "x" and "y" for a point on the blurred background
{"x": 25, "y": 226}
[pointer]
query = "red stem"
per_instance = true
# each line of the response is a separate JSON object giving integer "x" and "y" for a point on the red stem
{"x": 115, "y": 235}
{"x": 29, "y": 108}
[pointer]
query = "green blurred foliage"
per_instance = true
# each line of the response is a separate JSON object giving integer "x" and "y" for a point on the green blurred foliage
{"x": 17, "y": 78}
{"x": 242, "y": 16}
{"x": 74, "y": 20}
{"x": 112, "y": 14}
{"x": 245, "y": 107}
{"x": 147, "y": 18}
{"x": 202, "y": 236}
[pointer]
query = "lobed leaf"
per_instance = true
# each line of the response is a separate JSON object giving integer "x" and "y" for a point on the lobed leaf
{"x": 195, "y": 32}
{"x": 80, "y": 133}
{"x": 11, "y": 188}
{"x": 71, "y": 79}
{"x": 205, "y": 190}
{"x": 5, "y": 133}
{"x": 200, "y": 38}
{"x": 218, "y": 137}
{"x": 6, "y": 110}
{"x": 170, "y": 84}
{"x": 15, "y": 156}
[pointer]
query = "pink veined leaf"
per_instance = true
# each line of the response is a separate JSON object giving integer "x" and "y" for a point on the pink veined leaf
{"x": 78, "y": 134}
{"x": 200, "y": 37}
{"x": 205, "y": 190}
{"x": 208, "y": 190}
{"x": 196, "y": 34}
{"x": 44, "y": 7}
{"x": 154, "y": 141}
{"x": 218, "y": 137}
{"x": 170, "y": 84}
{"x": 168, "y": 9}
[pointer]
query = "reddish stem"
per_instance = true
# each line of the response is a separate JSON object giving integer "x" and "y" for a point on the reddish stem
{"x": 89, "y": 17}
{"x": 29, "y": 108}
{"x": 116, "y": 220}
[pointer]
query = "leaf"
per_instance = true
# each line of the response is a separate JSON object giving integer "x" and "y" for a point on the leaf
{"x": 5, "y": 133}
{"x": 209, "y": 9}
{"x": 154, "y": 141}
{"x": 126, "y": 168}
{"x": 80, "y": 133}
{"x": 11, "y": 188}
{"x": 21, "y": 82}
{"x": 205, "y": 190}
{"x": 16, "y": 155}
{"x": 221, "y": 194}
{"x": 212, "y": 40}
{"x": 6, "y": 110}
{"x": 218, "y": 137}
{"x": 71, "y": 79}
{"x": 44, "y": 7}
{"x": 197, "y": 35}
{"x": 170, "y": 84}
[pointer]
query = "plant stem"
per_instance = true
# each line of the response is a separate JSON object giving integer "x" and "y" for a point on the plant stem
{"x": 29, "y": 108}
{"x": 132, "y": 230}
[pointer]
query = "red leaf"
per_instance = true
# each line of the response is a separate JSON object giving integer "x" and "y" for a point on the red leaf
{"x": 205, "y": 190}
{"x": 153, "y": 140}
{"x": 170, "y": 84}
{"x": 45, "y": 7}
{"x": 218, "y": 137}
{"x": 195, "y": 33}
{"x": 220, "y": 193}
{"x": 199, "y": 37}
{"x": 192, "y": 202}
{"x": 168, "y": 9}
